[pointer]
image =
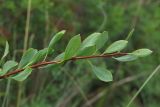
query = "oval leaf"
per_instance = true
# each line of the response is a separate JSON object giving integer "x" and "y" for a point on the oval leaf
{"x": 116, "y": 46}
{"x": 55, "y": 39}
{"x": 8, "y": 66}
{"x": 22, "y": 75}
{"x": 40, "y": 55}
{"x": 89, "y": 43}
{"x": 102, "y": 73}
{"x": 126, "y": 58}
{"x": 90, "y": 40}
{"x": 142, "y": 52}
{"x": 102, "y": 39}
{"x": 72, "y": 47}
{"x": 87, "y": 51}
{"x": 27, "y": 57}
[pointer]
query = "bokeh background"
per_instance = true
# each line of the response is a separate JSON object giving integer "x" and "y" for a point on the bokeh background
{"x": 74, "y": 85}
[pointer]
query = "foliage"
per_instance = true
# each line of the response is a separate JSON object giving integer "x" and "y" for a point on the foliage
{"x": 70, "y": 83}
{"x": 32, "y": 55}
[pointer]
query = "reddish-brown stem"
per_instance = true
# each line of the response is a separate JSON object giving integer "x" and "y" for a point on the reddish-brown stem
{"x": 40, "y": 64}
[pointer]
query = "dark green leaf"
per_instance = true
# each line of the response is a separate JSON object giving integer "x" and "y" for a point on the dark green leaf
{"x": 27, "y": 57}
{"x": 22, "y": 75}
{"x": 8, "y": 66}
{"x": 116, "y": 46}
{"x": 72, "y": 47}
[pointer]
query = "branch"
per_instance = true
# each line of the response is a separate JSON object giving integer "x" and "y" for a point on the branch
{"x": 40, "y": 64}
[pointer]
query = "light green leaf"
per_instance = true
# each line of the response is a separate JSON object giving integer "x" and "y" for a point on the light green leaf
{"x": 72, "y": 47}
{"x": 55, "y": 39}
{"x": 6, "y": 51}
{"x": 22, "y": 75}
{"x": 27, "y": 57}
{"x": 8, "y": 66}
{"x": 142, "y": 52}
{"x": 87, "y": 51}
{"x": 102, "y": 73}
{"x": 116, "y": 46}
{"x": 89, "y": 43}
{"x": 40, "y": 55}
{"x": 90, "y": 40}
{"x": 102, "y": 39}
{"x": 126, "y": 58}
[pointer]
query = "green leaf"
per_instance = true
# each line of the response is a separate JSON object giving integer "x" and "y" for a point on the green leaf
{"x": 87, "y": 51}
{"x": 27, "y": 57}
{"x": 102, "y": 39}
{"x": 22, "y": 75}
{"x": 8, "y": 66}
{"x": 142, "y": 52}
{"x": 55, "y": 39}
{"x": 50, "y": 52}
{"x": 116, "y": 46}
{"x": 90, "y": 40}
{"x": 89, "y": 43}
{"x": 72, "y": 47}
{"x": 60, "y": 57}
{"x": 126, "y": 58}
{"x": 40, "y": 55}
{"x": 6, "y": 51}
{"x": 102, "y": 73}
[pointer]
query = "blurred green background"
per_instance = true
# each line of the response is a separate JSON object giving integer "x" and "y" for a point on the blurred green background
{"x": 74, "y": 85}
